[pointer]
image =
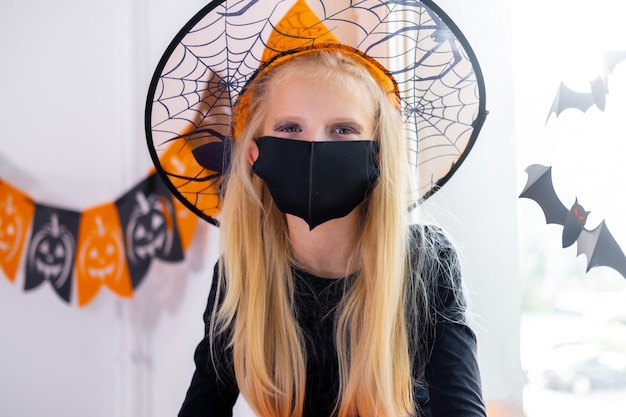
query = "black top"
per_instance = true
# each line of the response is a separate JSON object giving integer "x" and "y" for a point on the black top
{"x": 449, "y": 380}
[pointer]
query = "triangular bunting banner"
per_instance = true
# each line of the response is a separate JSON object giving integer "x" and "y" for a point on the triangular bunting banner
{"x": 111, "y": 245}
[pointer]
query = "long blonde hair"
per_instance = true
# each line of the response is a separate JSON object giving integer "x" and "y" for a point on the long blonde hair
{"x": 257, "y": 312}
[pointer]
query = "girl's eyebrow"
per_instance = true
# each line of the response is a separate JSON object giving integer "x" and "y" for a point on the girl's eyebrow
{"x": 350, "y": 123}
{"x": 284, "y": 125}
{"x": 287, "y": 118}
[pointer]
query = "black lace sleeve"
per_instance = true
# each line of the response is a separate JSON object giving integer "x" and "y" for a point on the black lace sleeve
{"x": 213, "y": 389}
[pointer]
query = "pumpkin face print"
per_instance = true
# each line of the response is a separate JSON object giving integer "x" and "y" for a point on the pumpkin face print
{"x": 101, "y": 254}
{"x": 150, "y": 229}
{"x": 50, "y": 258}
{"x": 16, "y": 213}
{"x": 149, "y": 225}
{"x": 11, "y": 230}
{"x": 51, "y": 250}
{"x": 100, "y": 257}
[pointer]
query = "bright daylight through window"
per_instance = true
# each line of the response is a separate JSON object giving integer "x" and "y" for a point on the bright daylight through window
{"x": 574, "y": 322}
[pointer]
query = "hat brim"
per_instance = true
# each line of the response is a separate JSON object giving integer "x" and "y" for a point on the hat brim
{"x": 188, "y": 116}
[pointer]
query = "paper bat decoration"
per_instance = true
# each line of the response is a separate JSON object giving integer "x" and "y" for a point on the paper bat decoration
{"x": 567, "y": 98}
{"x": 598, "y": 245}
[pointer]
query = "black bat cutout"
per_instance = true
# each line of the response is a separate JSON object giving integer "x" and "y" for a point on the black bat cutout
{"x": 598, "y": 245}
{"x": 566, "y": 98}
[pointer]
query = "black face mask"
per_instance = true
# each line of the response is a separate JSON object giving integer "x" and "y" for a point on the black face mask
{"x": 317, "y": 181}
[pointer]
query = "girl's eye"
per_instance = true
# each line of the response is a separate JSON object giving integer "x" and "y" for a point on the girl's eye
{"x": 346, "y": 130}
{"x": 288, "y": 129}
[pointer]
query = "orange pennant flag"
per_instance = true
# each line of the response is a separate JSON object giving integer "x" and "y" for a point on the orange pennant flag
{"x": 187, "y": 220}
{"x": 100, "y": 255}
{"x": 16, "y": 215}
{"x": 187, "y": 223}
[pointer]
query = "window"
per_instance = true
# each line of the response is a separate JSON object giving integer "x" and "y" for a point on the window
{"x": 574, "y": 323}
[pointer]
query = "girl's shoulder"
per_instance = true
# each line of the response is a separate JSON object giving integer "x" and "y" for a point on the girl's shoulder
{"x": 429, "y": 243}
{"x": 434, "y": 264}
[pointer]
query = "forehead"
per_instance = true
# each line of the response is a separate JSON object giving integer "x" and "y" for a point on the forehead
{"x": 321, "y": 82}
{"x": 329, "y": 94}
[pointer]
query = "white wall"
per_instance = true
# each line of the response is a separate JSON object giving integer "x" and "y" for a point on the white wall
{"x": 73, "y": 81}
{"x": 479, "y": 204}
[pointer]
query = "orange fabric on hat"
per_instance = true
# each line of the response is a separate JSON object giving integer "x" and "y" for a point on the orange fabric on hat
{"x": 299, "y": 32}
{"x": 298, "y": 28}
{"x": 178, "y": 159}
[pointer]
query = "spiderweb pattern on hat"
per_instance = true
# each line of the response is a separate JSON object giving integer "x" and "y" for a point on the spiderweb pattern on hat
{"x": 205, "y": 68}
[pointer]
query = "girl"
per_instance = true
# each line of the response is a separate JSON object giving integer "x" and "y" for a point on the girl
{"x": 326, "y": 301}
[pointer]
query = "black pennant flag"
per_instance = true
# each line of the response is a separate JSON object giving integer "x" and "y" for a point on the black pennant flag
{"x": 149, "y": 226}
{"x": 51, "y": 249}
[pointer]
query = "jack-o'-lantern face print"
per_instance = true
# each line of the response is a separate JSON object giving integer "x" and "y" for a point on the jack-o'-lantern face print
{"x": 150, "y": 228}
{"x": 148, "y": 221}
{"x": 101, "y": 254}
{"x": 16, "y": 213}
{"x": 52, "y": 252}
{"x": 11, "y": 230}
{"x": 100, "y": 257}
{"x": 50, "y": 256}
